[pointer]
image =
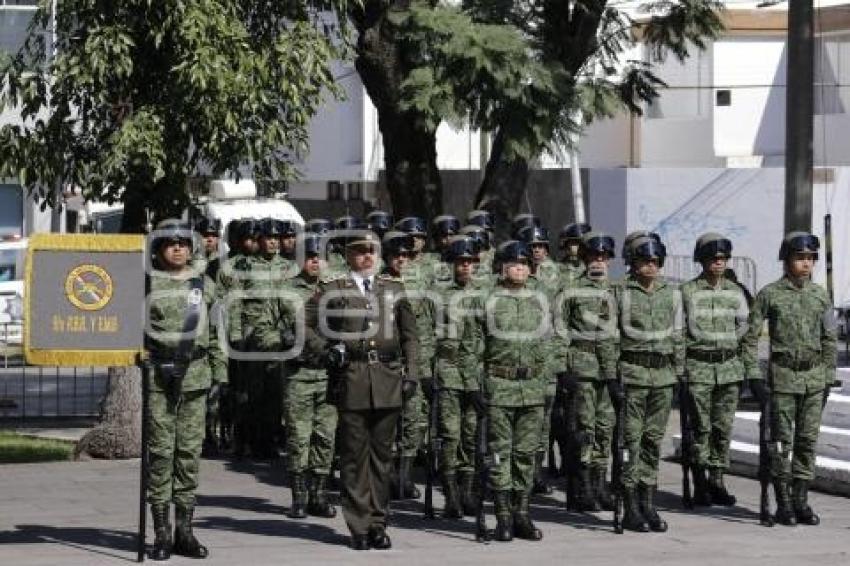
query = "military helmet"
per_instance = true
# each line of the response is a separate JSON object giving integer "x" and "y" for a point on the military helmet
{"x": 632, "y": 236}
{"x": 573, "y": 231}
{"x": 248, "y": 228}
{"x": 480, "y": 236}
{"x": 513, "y": 251}
{"x": 318, "y": 226}
{"x": 521, "y": 221}
{"x": 646, "y": 247}
{"x": 482, "y": 218}
{"x": 311, "y": 242}
{"x": 412, "y": 225}
{"x": 232, "y": 230}
{"x": 534, "y": 235}
{"x": 711, "y": 245}
{"x": 349, "y": 222}
{"x": 288, "y": 228}
{"x": 598, "y": 243}
{"x": 269, "y": 228}
{"x": 799, "y": 242}
{"x": 396, "y": 242}
{"x": 446, "y": 225}
{"x": 461, "y": 247}
{"x": 171, "y": 230}
{"x": 379, "y": 221}
{"x": 207, "y": 226}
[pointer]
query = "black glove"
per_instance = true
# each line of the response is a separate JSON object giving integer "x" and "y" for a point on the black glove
{"x": 408, "y": 389}
{"x": 760, "y": 390}
{"x": 477, "y": 400}
{"x": 336, "y": 357}
{"x": 616, "y": 391}
{"x": 287, "y": 338}
{"x": 567, "y": 382}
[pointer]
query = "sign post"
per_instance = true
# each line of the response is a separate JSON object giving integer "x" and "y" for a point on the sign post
{"x": 84, "y": 305}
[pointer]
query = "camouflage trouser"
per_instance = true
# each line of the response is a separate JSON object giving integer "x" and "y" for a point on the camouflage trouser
{"x": 513, "y": 436}
{"x": 647, "y": 411}
{"x": 546, "y": 426}
{"x": 312, "y": 427}
{"x": 415, "y": 421}
{"x": 713, "y": 414}
{"x": 176, "y": 433}
{"x": 796, "y": 423}
{"x": 457, "y": 424}
{"x": 595, "y": 419}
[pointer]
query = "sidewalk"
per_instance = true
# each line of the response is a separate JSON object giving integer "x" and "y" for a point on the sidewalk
{"x": 85, "y": 513}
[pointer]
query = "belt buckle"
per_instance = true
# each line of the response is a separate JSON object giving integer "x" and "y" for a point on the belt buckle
{"x": 372, "y": 356}
{"x": 522, "y": 373}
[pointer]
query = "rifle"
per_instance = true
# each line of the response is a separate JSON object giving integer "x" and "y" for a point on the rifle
{"x": 571, "y": 460}
{"x": 768, "y": 450}
{"x": 433, "y": 449}
{"x": 620, "y": 457}
{"x": 558, "y": 424}
{"x": 483, "y": 461}
{"x": 687, "y": 433}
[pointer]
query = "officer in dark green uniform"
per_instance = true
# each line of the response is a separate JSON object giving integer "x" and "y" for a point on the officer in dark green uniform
{"x": 184, "y": 370}
{"x": 362, "y": 325}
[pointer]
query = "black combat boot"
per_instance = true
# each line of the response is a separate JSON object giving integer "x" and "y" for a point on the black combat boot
{"x": 318, "y": 504}
{"x": 298, "y": 485}
{"x": 702, "y": 493}
{"x": 633, "y": 519}
{"x": 453, "y": 508}
{"x": 585, "y": 500}
{"x": 409, "y": 488}
{"x": 467, "y": 495}
{"x": 784, "y": 512}
{"x": 504, "y": 531}
{"x": 162, "y": 532}
{"x": 600, "y": 489}
{"x": 647, "y": 507}
{"x": 540, "y": 487}
{"x": 185, "y": 543}
{"x": 523, "y": 527}
{"x": 719, "y": 494}
{"x": 800, "y": 500}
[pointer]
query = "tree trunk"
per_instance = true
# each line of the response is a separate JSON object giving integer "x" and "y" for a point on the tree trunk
{"x": 119, "y": 434}
{"x": 503, "y": 187}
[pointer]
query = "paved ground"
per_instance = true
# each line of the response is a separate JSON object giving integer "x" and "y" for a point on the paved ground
{"x": 85, "y": 513}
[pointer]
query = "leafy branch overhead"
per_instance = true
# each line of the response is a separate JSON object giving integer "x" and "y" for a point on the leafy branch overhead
{"x": 141, "y": 95}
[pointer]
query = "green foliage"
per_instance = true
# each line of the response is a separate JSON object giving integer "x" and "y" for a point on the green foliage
{"x": 144, "y": 93}
{"x": 17, "y": 448}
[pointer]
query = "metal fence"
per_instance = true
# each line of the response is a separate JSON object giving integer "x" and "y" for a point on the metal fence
{"x": 30, "y": 392}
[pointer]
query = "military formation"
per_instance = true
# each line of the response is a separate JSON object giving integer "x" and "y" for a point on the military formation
{"x": 354, "y": 346}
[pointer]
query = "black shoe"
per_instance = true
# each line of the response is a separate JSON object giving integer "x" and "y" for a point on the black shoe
{"x": 318, "y": 504}
{"x": 647, "y": 508}
{"x": 784, "y": 512}
{"x": 185, "y": 543}
{"x": 378, "y": 538}
{"x": 504, "y": 531}
{"x": 719, "y": 494}
{"x": 800, "y": 499}
{"x": 585, "y": 500}
{"x": 298, "y": 484}
{"x": 633, "y": 519}
{"x": 359, "y": 542}
{"x": 523, "y": 527}
{"x": 162, "y": 532}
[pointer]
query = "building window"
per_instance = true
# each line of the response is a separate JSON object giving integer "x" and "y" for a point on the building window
{"x": 355, "y": 191}
{"x": 335, "y": 190}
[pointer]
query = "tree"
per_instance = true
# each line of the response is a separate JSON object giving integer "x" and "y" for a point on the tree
{"x": 585, "y": 41}
{"x": 141, "y": 95}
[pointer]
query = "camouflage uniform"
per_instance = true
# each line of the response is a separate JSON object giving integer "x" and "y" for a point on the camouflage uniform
{"x": 714, "y": 324}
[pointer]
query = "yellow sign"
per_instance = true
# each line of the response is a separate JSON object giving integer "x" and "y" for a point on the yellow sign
{"x": 88, "y": 287}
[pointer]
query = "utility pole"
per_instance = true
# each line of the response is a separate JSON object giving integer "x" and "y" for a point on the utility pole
{"x": 57, "y": 209}
{"x": 799, "y": 116}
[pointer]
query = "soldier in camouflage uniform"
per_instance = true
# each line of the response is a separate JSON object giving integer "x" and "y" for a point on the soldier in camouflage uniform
{"x": 311, "y": 419}
{"x": 183, "y": 371}
{"x": 652, "y": 355}
{"x": 589, "y": 315}
{"x": 483, "y": 275}
{"x": 508, "y": 330}
{"x": 459, "y": 392}
{"x": 264, "y": 381}
{"x": 569, "y": 242}
{"x": 716, "y": 313}
{"x": 545, "y": 276}
{"x": 288, "y": 232}
{"x": 802, "y": 331}
{"x": 379, "y": 222}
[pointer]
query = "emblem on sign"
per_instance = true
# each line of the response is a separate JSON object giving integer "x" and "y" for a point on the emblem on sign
{"x": 88, "y": 287}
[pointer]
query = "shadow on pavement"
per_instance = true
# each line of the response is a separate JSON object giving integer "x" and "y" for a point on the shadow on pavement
{"x": 274, "y": 527}
{"x": 672, "y": 503}
{"x": 270, "y": 472}
{"x": 82, "y": 538}
{"x": 255, "y": 504}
